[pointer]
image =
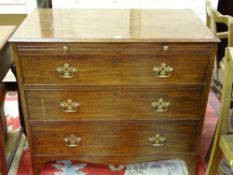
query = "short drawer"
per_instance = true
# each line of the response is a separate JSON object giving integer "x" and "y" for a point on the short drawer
{"x": 113, "y": 138}
{"x": 114, "y": 70}
{"x": 65, "y": 49}
{"x": 115, "y": 104}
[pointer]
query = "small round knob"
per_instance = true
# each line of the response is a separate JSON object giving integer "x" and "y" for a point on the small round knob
{"x": 165, "y": 48}
{"x": 65, "y": 48}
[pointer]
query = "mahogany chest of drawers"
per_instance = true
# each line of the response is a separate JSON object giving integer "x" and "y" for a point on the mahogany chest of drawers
{"x": 113, "y": 86}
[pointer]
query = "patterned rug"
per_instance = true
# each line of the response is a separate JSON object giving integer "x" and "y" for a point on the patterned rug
{"x": 67, "y": 167}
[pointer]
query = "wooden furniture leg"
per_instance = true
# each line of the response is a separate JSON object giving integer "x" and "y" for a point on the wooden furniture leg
{"x": 19, "y": 103}
{"x": 191, "y": 163}
{"x": 37, "y": 164}
{"x": 3, "y": 165}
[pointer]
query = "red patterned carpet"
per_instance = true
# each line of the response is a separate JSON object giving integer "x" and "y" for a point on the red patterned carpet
{"x": 172, "y": 167}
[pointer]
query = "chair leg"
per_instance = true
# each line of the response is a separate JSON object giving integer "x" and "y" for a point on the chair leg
{"x": 208, "y": 154}
{"x": 3, "y": 165}
{"x": 216, "y": 153}
{"x": 214, "y": 161}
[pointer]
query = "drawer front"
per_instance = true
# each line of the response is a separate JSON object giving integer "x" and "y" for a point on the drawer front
{"x": 112, "y": 138}
{"x": 116, "y": 104}
{"x": 117, "y": 48}
{"x": 69, "y": 48}
{"x": 114, "y": 70}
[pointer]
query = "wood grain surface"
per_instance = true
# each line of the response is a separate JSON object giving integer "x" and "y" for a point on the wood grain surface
{"x": 113, "y": 138}
{"x": 115, "y": 25}
{"x": 115, "y": 70}
{"x": 115, "y": 52}
{"x": 114, "y": 104}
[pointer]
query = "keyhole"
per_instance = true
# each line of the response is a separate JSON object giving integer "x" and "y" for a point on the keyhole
{"x": 114, "y": 61}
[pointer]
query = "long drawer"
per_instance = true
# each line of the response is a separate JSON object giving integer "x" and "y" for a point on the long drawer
{"x": 115, "y": 104}
{"x": 114, "y": 70}
{"x": 113, "y": 138}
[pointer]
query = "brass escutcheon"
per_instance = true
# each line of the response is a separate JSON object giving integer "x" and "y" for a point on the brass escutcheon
{"x": 161, "y": 105}
{"x": 163, "y": 70}
{"x": 72, "y": 140}
{"x": 66, "y": 70}
{"x": 157, "y": 140}
{"x": 69, "y": 106}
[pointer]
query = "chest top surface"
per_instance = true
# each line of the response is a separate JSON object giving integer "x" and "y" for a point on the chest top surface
{"x": 112, "y": 25}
